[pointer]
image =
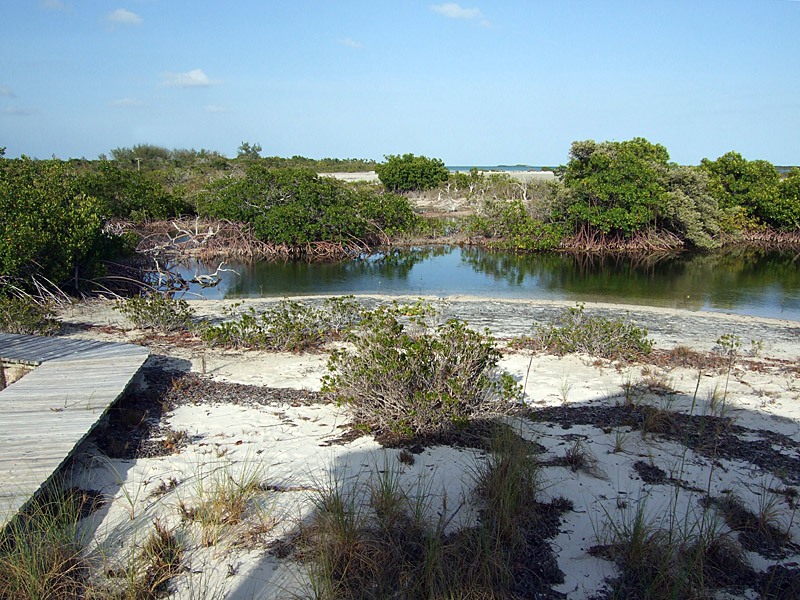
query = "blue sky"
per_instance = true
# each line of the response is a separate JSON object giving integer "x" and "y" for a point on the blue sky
{"x": 504, "y": 82}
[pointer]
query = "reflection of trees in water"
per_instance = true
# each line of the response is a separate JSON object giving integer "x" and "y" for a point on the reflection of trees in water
{"x": 278, "y": 277}
{"x": 396, "y": 263}
{"x": 687, "y": 280}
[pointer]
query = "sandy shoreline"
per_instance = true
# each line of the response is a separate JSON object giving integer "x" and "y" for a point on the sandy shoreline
{"x": 293, "y": 441}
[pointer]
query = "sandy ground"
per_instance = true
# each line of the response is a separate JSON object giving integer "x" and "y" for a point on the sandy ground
{"x": 289, "y": 444}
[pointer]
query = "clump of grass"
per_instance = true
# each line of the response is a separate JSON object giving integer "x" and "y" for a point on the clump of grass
{"x": 664, "y": 559}
{"x": 25, "y": 316}
{"x": 149, "y": 572}
{"x": 41, "y": 550}
{"x": 657, "y": 421}
{"x": 578, "y": 457}
{"x": 576, "y": 331}
{"x": 418, "y": 380}
{"x": 156, "y": 312}
{"x": 760, "y": 530}
{"x": 288, "y": 326}
{"x": 379, "y": 541}
{"x": 227, "y": 501}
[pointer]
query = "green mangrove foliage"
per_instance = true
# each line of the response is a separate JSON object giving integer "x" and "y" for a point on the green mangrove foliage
{"x": 296, "y": 208}
{"x": 753, "y": 191}
{"x": 49, "y": 228}
{"x": 134, "y": 195}
{"x": 618, "y": 189}
{"x": 409, "y": 377}
{"x": 509, "y": 226}
{"x": 408, "y": 173}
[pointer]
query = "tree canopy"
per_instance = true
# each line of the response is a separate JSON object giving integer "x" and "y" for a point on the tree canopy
{"x": 408, "y": 173}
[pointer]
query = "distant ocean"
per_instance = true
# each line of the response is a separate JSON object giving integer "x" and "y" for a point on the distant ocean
{"x": 494, "y": 168}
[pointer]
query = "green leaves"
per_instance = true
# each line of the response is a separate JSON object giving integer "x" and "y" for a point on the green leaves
{"x": 575, "y": 331}
{"x": 295, "y": 207}
{"x": 617, "y": 187}
{"x": 48, "y": 227}
{"x": 408, "y": 173}
{"x": 411, "y": 377}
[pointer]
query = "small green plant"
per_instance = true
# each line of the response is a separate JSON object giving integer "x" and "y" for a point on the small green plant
{"x": 156, "y": 312}
{"x": 23, "y": 315}
{"x": 620, "y": 440}
{"x": 418, "y": 380}
{"x": 288, "y": 326}
{"x": 730, "y": 344}
{"x": 575, "y": 331}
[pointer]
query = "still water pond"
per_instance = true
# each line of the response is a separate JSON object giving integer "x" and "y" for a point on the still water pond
{"x": 743, "y": 281}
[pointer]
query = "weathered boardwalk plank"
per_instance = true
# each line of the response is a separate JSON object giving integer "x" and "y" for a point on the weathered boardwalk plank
{"x": 47, "y": 413}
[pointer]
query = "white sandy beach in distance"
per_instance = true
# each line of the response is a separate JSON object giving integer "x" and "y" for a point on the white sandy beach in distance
{"x": 293, "y": 443}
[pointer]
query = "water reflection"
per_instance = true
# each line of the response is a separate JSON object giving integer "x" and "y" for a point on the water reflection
{"x": 744, "y": 280}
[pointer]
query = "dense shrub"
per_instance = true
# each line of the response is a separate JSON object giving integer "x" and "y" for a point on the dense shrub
{"x": 296, "y": 207}
{"x": 22, "y": 315}
{"x": 619, "y": 189}
{"x": 408, "y": 173}
{"x": 412, "y": 380}
{"x": 127, "y": 194}
{"x": 575, "y": 331}
{"x": 48, "y": 227}
{"x": 289, "y": 326}
{"x": 156, "y": 312}
{"x": 514, "y": 229}
{"x": 751, "y": 187}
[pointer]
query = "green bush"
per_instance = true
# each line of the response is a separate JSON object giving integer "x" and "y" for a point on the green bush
{"x": 411, "y": 379}
{"x": 751, "y": 187}
{"x": 575, "y": 331}
{"x": 156, "y": 312}
{"x": 297, "y": 208}
{"x": 515, "y": 229}
{"x": 18, "y": 315}
{"x": 48, "y": 228}
{"x": 134, "y": 195}
{"x": 616, "y": 187}
{"x": 289, "y": 326}
{"x": 408, "y": 173}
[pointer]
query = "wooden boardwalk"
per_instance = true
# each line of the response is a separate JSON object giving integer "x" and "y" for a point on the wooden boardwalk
{"x": 47, "y": 413}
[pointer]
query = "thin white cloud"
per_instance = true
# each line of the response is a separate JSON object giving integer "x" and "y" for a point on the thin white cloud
{"x": 54, "y": 5}
{"x": 351, "y": 43}
{"x": 194, "y": 78}
{"x": 124, "y": 17}
{"x": 127, "y": 103}
{"x": 18, "y": 111}
{"x": 452, "y": 10}
{"x": 215, "y": 108}
{"x": 7, "y": 92}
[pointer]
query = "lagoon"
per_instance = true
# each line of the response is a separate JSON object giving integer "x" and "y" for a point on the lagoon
{"x": 746, "y": 281}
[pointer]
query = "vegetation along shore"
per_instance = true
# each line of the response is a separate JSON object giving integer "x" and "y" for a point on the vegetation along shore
{"x": 74, "y": 222}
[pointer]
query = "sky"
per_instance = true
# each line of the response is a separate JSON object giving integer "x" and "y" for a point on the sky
{"x": 472, "y": 83}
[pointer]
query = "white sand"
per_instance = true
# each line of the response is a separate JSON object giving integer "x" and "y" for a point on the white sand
{"x": 286, "y": 444}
